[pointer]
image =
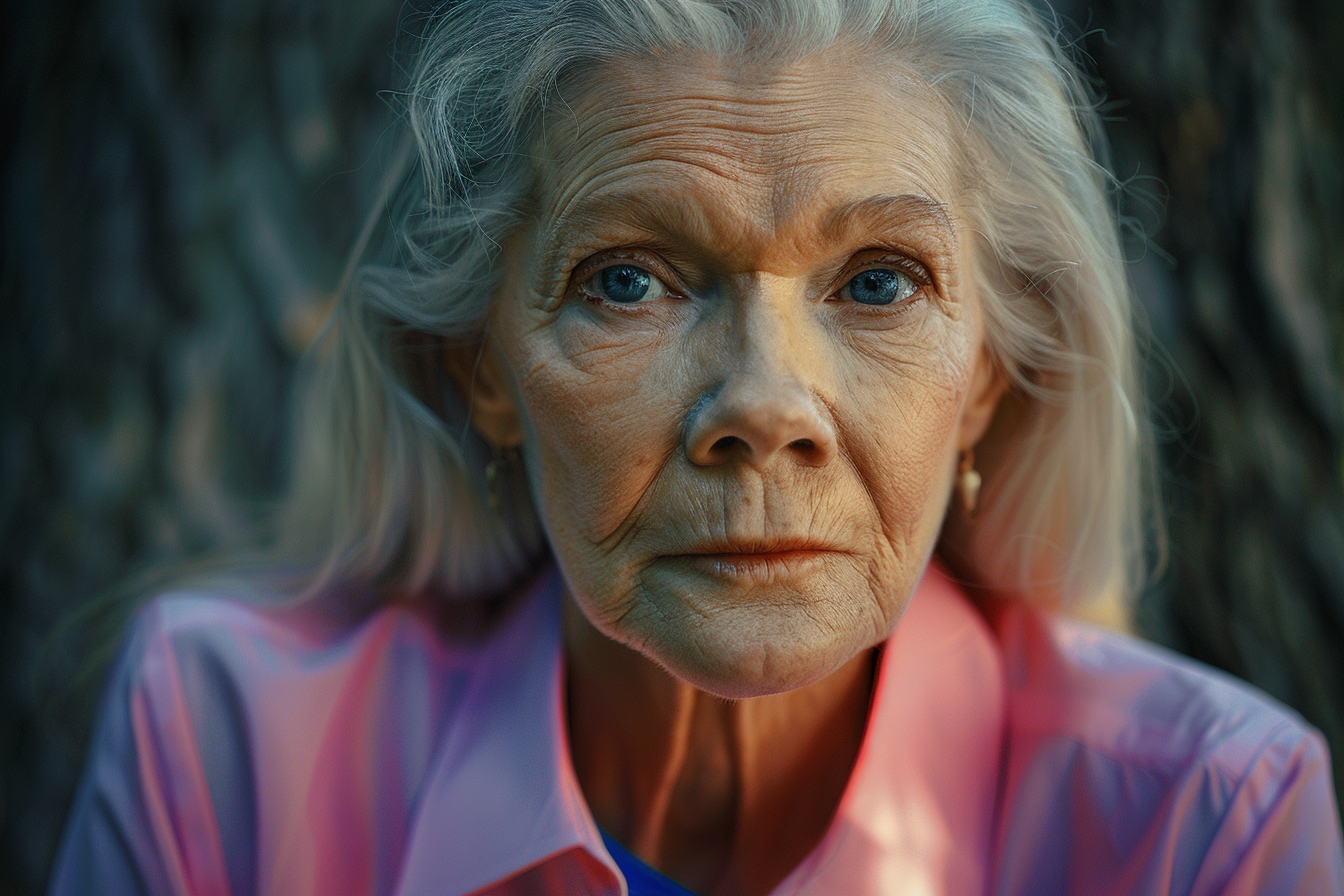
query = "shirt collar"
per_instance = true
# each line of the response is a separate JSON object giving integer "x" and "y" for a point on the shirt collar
{"x": 502, "y": 796}
{"x": 917, "y": 815}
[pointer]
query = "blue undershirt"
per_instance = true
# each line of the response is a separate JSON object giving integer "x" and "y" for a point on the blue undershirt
{"x": 641, "y": 879}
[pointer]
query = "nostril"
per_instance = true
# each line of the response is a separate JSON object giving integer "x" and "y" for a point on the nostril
{"x": 726, "y": 444}
{"x": 805, "y": 446}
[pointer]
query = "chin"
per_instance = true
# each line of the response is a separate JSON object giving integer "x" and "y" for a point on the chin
{"x": 738, "y": 631}
{"x": 754, "y": 653}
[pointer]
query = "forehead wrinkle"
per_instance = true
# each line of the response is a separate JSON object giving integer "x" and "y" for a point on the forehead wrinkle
{"x": 695, "y": 205}
{"x": 741, "y": 135}
{"x": 770, "y": 117}
{"x": 736, "y": 169}
{"x": 738, "y": 152}
{"x": 725, "y": 135}
{"x": 762, "y": 100}
{"x": 593, "y": 205}
{"x": 795, "y": 188}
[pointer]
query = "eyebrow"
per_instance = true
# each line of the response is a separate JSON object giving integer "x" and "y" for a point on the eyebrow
{"x": 657, "y": 213}
{"x": 909, "y": 208}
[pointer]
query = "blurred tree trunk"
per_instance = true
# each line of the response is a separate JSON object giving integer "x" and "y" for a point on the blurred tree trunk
{"x": 1237, "y": 110}
{"x": 182, "y": 183}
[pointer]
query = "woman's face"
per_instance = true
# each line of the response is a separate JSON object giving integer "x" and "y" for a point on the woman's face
{"x": 742, "y": 353}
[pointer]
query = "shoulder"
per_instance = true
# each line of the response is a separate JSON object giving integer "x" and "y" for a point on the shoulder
{"x": 1133, "y": 700}
{"x": 1132, "y": 758}
{"x": 270, "y": 679}
{"x": 261, "y": 684}
{"x": 221, "y": 622}
{"x": 233, "y": 728}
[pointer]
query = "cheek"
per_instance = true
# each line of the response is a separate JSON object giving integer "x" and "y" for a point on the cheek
{"x": 903, "y": 404}
{"x": 603, "y": 420}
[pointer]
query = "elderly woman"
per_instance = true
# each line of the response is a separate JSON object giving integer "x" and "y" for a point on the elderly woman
{"x": 637, "y": 540}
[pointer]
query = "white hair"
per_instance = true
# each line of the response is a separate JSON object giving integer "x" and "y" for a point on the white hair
{"x": 388, "y": 477}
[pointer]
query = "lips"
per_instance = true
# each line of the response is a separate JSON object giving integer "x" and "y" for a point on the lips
{"x": 780, "y": 547}
{"x": 758, "y": 561}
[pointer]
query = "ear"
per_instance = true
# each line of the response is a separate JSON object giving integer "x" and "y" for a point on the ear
{"x": 988, "y": 383}
{"x": 482, "y": 379}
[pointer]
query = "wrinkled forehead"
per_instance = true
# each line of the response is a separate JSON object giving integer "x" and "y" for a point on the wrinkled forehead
{"x": 750, "y": 143}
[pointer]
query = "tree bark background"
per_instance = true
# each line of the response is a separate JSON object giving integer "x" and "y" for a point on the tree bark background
{"x": 1237, "y": 108}
{"x": 182, "y": 181}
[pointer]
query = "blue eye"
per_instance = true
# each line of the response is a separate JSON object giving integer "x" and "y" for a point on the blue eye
{"x": 880, "y": 286}
{"x": 624, "y": 284}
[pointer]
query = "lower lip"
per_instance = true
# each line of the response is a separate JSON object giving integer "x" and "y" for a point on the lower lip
{"x": 755, "y": 567}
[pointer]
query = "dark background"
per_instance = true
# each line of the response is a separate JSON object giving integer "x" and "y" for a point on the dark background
{"x": 182, "y": 181}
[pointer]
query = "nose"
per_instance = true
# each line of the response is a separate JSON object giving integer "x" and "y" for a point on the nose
{"x": 763, "y": 409}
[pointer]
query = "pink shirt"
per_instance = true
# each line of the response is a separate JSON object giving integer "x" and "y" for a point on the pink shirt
{"x": 251, "y": 751}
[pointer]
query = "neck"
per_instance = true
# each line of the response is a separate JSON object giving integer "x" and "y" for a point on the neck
{"x": 722, "y": 796}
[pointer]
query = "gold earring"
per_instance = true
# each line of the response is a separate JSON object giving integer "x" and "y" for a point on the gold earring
{"x": 968, "y": 483}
